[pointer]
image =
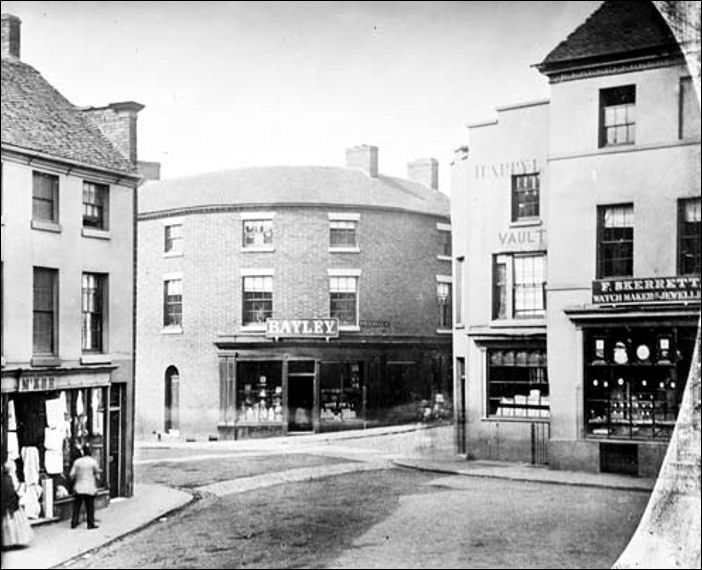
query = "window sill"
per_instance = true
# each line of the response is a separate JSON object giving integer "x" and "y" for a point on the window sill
{"x": 345, "y": 250}
{"x": 460, "y": 326}
{"x": 46, "y": 226}
{"x": 512, "y": 323}
{"x": 172, "y": 330}
{"x": 257, "y": 249}
{"x": 349, "y": 328}
{"x": 95, "y": 233}
{"x": 444, "y": 258}
{"x": 96, "y": 359}
{"x": 255, "y": 328}
{"x": 526, "y": 223}
{"x": 172, "y": 254}
{"x": 45, "y": 361}
{"x": 517, "y": 419}
{"x": 444, "y": 331}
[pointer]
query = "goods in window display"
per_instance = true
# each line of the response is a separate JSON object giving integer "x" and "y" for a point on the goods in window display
{"x": 637, "y": 398}
{"x": 620, "y": 355}
{"x": 643, "y": 353}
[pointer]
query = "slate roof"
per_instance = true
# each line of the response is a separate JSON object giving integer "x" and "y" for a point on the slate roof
{"x": 36, "y": 117}
{"x": 291, "y": 185}
{"x": 618, "y": 28}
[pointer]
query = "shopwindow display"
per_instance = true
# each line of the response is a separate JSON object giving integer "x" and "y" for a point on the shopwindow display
{"x": 634, "y": 380}
{"x": 260, "y": 392}
{"x": 517, "y": 383}
{"x": 341, "y": 393}
{"x": 45, "y": 431}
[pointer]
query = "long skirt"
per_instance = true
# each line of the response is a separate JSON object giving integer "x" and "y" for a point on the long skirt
{"x": 16, "y": 530}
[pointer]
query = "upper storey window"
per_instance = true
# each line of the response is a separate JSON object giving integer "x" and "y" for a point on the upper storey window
{"x": 618, "y": 115}
{"x": 257, "y": 231}
{"x": 45, "y": 189}
{"x": 173, "y": 239}
{"x": 525, "y": 197}
{"x": 95, "y": 203}
{"x": 343, "y": 232}
{"x": 615, "y": 248}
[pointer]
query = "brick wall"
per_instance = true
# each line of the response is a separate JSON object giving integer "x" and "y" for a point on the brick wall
{"x": 397, "y": 259}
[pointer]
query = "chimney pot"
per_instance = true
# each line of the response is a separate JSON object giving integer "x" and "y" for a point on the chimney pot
{"x": 363, "y": 157}
{"x": 424, "y": 171}
{"x": 11, "y": 36}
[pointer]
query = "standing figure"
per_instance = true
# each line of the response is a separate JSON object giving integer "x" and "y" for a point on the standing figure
{"x": 16, "y": 530}
{"x": 84, "y": 474}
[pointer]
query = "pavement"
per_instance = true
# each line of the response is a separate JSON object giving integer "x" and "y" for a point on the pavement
{"x": 419, "y": 447}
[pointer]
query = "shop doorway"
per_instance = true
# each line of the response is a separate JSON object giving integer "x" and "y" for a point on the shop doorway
{"x": 118, "y": 402}
{"x": 461, "y": 447}
{"x": 172, "y": 400}
{"x": 301, "y": 396}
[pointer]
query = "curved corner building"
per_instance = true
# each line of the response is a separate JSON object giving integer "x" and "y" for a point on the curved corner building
{"x": 282, "y": 299}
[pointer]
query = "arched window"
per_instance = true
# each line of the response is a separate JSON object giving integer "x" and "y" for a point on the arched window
{"x": 172, "y": 399}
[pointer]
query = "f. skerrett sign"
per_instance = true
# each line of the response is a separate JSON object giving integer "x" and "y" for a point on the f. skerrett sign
{"x": 302, "y": 328}
{"x": 646, "y": 290}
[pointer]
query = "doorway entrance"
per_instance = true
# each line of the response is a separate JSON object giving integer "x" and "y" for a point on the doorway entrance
{"x": 301, "y": 395}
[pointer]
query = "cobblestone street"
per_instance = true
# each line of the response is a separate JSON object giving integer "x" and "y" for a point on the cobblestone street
{"x": 305, "y": 509}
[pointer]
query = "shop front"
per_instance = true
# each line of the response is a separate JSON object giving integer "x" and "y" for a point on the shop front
{"x": 310, "y": 384}
{"x": 47, "y": 417}
{"x": 638, "y": 340}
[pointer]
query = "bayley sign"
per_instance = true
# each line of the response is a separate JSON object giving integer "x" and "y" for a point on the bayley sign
{"x": 302, "y": 328}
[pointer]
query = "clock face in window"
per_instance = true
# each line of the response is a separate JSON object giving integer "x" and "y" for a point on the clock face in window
{"x": 643, "y": 352}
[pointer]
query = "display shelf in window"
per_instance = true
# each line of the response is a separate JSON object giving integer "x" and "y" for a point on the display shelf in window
{"x": 260, "y": 403}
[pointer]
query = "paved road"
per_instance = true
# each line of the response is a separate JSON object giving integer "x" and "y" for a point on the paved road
{"x": 334, "y": 507}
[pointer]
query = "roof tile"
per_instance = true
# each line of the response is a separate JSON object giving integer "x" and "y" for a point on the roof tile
{"x": 35, "y": 116}
{"x": 616, "y": 28}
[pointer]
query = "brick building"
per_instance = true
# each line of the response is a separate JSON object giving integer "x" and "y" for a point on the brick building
{"x": 68, "y": 276}
{"x": 285, "y": 299}
{"x": 580, "y": 361}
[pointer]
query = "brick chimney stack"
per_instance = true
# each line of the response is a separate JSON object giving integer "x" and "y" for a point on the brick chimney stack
{"x": 363, "y": 157}
{"x": 11, "y": 36}
{"x": 424, "y": 171}
{"x": 118, "y": 122}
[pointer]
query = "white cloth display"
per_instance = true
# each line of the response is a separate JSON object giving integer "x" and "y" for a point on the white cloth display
{"x": 30, "y": 458}
{"x": 53, "y": 461}
{"x": 11, "y": 418}
{"x": 56, "y": 411}
{"x": 53, "y": 438}
{"x": 97, "y": 416}
{"x": 29, "y": 496}
{"x": 80, "y": 409}
{"x": 12, "y": 445}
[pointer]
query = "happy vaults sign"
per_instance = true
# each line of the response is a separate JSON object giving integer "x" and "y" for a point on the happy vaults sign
{"x": 647, "y": 290}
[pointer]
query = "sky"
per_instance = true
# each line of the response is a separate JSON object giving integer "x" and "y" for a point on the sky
{"x": 236, "y": 84}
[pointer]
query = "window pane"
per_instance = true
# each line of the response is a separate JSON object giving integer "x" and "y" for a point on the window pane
{"x": 172, "y": 302}
{"x": 258, "y": 233}
{"x": 44, "y": 311}
{"x": 94, "y": 203}
{"x": 518, "y": 383}
{"x": 443, "y": 297}
{"x": 173, "y": 238}
{"x": 92, "y": 305}
{"x": 499, "y": 291}
{"x": 342, "y": 233}
{"x": 528, "y": 286}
